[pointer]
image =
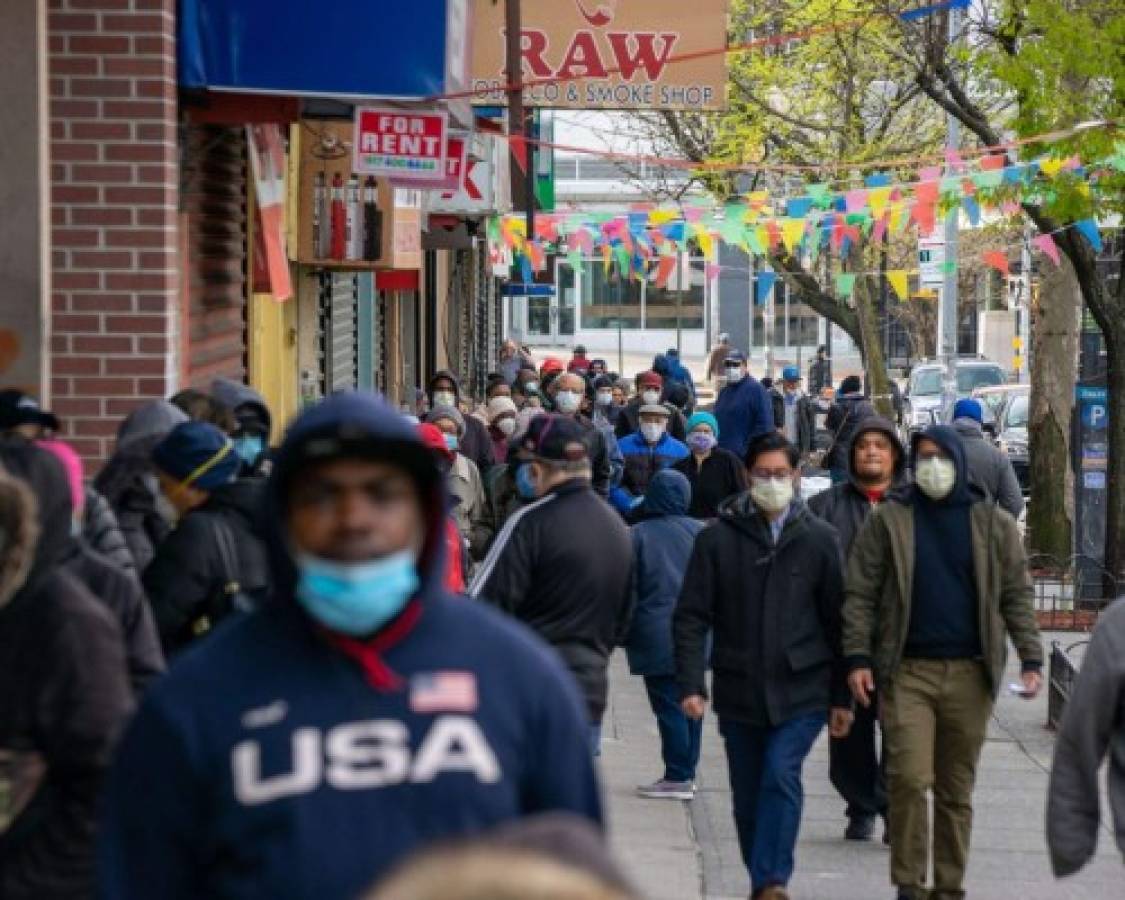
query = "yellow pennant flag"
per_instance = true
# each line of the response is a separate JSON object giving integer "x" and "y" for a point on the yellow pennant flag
{"x": 792, "y": 230}
{"x": 877, "y": 199}
{"x": 897, "y": 215}
{"x": 1051, "y": 166}
{"x": 898, "y": 281}
{"x": 662, "y": 216}
{"x": 706, "y": 242}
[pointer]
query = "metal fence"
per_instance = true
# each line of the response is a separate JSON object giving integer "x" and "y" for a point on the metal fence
{"x": 1070, "y": 593}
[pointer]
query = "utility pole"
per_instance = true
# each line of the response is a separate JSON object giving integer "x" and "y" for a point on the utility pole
{"x": 523, "y": 179}
{"x": 947, "y": 335}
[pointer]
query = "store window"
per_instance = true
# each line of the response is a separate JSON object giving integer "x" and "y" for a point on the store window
{"x": 607, "y": 299}
{"x": 661, "y": 303}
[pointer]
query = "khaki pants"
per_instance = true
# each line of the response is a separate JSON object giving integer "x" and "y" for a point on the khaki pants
{"x": 935, "y": 717}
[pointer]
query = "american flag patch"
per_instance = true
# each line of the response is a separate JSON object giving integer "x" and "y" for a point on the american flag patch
{"x": 435, "y": 692}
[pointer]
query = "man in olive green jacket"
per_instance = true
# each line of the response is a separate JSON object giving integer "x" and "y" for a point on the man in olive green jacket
{"x": 937, "y": 581}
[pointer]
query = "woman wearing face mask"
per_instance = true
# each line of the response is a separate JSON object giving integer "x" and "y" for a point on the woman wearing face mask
{"x": 501, "y": 425}
{"x": 715, "y": 474}
{"x": 766, "y": 583}
{"x": 464, "y": 482}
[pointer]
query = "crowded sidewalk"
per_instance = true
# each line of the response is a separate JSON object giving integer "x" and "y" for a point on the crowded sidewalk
{"x": 683, "y": 851}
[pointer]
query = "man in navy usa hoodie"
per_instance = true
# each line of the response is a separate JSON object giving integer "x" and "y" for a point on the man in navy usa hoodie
{"x": 306, "y": 748}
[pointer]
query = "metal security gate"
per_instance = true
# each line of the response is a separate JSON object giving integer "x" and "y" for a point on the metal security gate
{"x": 339, "y": 332}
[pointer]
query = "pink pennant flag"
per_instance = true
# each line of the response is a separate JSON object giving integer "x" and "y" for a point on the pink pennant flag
{"x": 712, "y": 270}
{"x": 1073, "y": 163}
{"x": 993, "y": 162}
{"x": 693, "y": 213}
{"x": 998, "y": 259}
{"x": 1047, "y": 244}
{"x": 929, "y": 173}
{"x": 926, "y": 192}
{"x": 953, "y": 159}
{"x": 925, "y": 215}
{"x": 855, "y": 200}
{"x": 879, "y": 230}
{"x": 1010, "y": 207}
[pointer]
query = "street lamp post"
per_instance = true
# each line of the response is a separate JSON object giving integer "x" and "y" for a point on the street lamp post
{"x": 947, "y": 338}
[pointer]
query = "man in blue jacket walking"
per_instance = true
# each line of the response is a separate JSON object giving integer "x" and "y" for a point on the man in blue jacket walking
{"x": 743, "y": 407}
{"x": 662, "y": 542}
{"x": 647, "y": 451}
{"x": 304, "y": 749}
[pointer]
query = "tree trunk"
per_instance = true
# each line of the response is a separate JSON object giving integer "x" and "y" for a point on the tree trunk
{"x": 1050, "y": 515}
{"x": 875, "y": 366}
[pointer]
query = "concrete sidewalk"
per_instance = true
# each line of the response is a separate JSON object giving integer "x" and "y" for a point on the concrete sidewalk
{"x": 688, "y": 851}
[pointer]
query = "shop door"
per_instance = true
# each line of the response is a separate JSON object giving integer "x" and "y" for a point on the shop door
{"x": 339, "y": 321}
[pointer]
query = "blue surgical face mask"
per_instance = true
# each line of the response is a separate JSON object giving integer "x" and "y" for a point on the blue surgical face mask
{"x": 249, "y": 447}
{"x": 451, "y": 441}
{"x": 524, "y": 483}
{"x": 356, "y": 599}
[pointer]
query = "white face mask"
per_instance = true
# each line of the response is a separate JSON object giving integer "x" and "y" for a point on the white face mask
{"x": 936, "y": 477}
{"x": 605, "y": 398}
{"x": 734, "y": 374}
{"x": 507, "y": 427}
{"x": 650, "y": 397}
{"x": 445, "y": 398}
{"x": 531, "y": 385}
{"x": 567, "y": 401}
{"x": 772, "y": 495}
{"x": 652, "y": 431}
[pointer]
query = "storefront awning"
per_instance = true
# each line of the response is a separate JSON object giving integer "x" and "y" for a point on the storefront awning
{"x": 343, "y": 49}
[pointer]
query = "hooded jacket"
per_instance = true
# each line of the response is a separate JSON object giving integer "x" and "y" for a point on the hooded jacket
{"x": 561, "y": 566}
{"x": 1092, "y": 728}
{"x": 246, "y": 404}
{"x": 846, "y": 506}
{"x": 116, "y": 589}
{"x": 103, "y": 535}
{"x": 744, "y": 412}
{"x": 881, "y": 578}
{"x": 186, "y": 578}
{"x": 990, "y": 470}
{"x": 65, "y": 696}
{"x": 662, "y": 544}
{"x": 266, "y": 763}
{"x": 774, "y": 611}
{"x": 475, "y": 442}
{"x": 129, "y": 483}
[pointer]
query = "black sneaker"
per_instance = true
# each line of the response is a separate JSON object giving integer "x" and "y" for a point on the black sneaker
{"x": 860, "y": 828}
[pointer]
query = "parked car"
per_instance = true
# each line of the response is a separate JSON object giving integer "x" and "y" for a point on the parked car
{"x": 1011, "y": 427}
{"x": 994, "y": 397}
{"x": 923, "y": 405}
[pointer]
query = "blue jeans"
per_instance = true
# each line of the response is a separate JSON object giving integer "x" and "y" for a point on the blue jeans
{"x": 680, "y": 737}
{"x": 765, "y": 781}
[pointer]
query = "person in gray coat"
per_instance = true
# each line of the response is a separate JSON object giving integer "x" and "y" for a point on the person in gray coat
{"x": 663, "y": 538}
{"x": 1093, "y": 726}
{"x": 989, "y": 467}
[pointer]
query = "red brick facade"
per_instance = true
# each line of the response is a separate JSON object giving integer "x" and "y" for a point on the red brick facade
{"x": 114, "y": 197}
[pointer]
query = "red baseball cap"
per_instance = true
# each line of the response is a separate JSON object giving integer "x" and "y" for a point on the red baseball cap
{"x": 650, "y": 379}
{"x": 551, "y": 364}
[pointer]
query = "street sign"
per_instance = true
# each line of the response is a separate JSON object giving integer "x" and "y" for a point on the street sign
{"x": 931, "y": 258}
{"x": 391, "y": 142}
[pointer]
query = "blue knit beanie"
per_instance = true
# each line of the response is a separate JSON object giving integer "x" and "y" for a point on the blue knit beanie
{"x": 197, "y": 454}
{"x": 703, "y": 418}
{"x": 968, "y": 409}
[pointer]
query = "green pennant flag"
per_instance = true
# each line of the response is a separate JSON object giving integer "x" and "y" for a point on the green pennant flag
{"x": 948, "y": 267}
{"x": 732, "y": 230}
{"x": 820, "y": 194}
{"x": 574, "y": 260}
{"x": 991, "y": 179}
{"x": 845, "y": 284}
{"x": 624, "y": 259}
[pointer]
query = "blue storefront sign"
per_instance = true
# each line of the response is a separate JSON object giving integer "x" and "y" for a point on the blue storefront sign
{"x": 342, "y": 49}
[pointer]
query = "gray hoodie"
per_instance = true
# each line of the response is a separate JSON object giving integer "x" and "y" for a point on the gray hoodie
{"x": 1093, "y": 727}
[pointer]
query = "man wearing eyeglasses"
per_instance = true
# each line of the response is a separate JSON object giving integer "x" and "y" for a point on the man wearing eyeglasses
{"x": 766, "y": 579}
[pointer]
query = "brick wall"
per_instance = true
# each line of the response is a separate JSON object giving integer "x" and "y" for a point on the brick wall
{"x": 114, "y": 183}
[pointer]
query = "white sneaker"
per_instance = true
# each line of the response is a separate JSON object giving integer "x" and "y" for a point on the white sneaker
{"x": 667, "y": 790}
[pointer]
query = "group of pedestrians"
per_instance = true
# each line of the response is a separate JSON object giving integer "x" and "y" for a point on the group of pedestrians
{"x": 393, "y": 630}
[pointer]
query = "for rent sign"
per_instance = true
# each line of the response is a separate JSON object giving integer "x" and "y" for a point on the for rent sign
{"x": 607, "y": 54}
{"x": 395, "y": 142}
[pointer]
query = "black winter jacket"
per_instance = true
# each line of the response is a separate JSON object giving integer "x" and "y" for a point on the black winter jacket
{"x": 65, "y": 696}
{"x": 842, "y": 420}
{"x": 775, "y": 613}
{"x": 845, "y": 506}
{"x": 561, "y": 565}
{"x": 102, "y": 533}
{"x": 122, "y": 596}
{"x": 721, "y": 476}
{"x": 187, "y": 574}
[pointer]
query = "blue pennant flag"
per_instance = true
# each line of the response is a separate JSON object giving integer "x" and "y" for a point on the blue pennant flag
{"x": 799, "y": 207}
{"x": 879, "y": 179}
{"x": 912, "y": 15}
{"x": 1088, "y": 228}
{"x": 763, "y": 287}
{"x": 973, "y": 210}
